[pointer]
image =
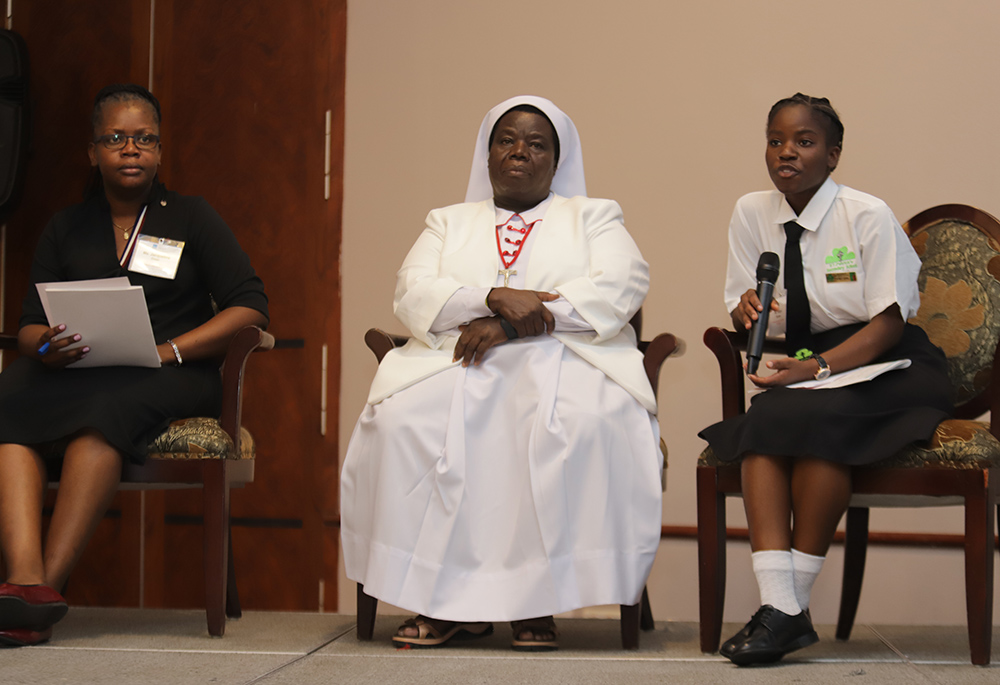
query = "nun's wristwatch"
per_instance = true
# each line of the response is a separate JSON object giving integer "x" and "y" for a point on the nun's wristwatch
{"x": 824, "y": 368}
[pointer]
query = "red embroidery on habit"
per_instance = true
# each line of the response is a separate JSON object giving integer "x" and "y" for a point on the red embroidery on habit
{"x": 519, "y": 243}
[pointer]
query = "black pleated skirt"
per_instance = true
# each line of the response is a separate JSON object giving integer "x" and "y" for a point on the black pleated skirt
{"x": 858, "y": 424}
{"x": 129, "y": 405}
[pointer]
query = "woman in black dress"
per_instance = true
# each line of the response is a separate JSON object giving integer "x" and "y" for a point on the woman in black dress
{"x": 94, "y": 418}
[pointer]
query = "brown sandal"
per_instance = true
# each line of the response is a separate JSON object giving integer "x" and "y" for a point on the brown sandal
{"x": 433, "y": 633}
{"x": 535, "y": 626}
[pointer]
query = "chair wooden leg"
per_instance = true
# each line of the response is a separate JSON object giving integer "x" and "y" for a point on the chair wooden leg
{"x": 855, "y": 554}
{"x": 233, "y": 608}
{"x": 216, "y": 543}
{"x": 367, "y": 606}
{"x": 711, "y": 558}
{"x": 646, "y": 612}
{"x": 630, "y": 626}
{"x": 979, "y": 549}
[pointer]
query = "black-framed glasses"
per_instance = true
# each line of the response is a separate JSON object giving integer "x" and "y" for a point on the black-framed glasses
{"x": 116, "y": 141}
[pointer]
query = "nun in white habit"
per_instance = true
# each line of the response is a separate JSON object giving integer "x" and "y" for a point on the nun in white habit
{"x": 506, "y": 466}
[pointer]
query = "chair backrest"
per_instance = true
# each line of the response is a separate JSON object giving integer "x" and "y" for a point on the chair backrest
{"x": 959, "y": 247}
{"x": 636, "y": 323}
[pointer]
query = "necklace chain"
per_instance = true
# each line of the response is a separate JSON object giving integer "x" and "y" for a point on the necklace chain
{"x": 125, "y": 231}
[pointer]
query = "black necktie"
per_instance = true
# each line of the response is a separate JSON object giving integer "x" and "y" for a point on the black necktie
{"x": 798, "y": 315}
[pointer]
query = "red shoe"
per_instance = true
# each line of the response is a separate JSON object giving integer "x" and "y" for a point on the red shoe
{"x": 20, "y": 637}
{"x": 31, "y": 607}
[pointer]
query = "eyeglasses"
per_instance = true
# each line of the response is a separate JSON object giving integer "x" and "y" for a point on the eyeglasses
{"x": 117, "y": 141}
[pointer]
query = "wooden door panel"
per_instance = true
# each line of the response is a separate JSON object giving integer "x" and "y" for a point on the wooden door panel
{"x": 74, "y": 49}
{"x": 245, "y": 86}
{"x": 261, "y": 563}
{"x": 245, "y": 95}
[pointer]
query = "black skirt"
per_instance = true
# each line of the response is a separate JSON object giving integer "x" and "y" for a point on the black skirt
{"x": 857, "y": 424}
{"x": 130, "y": 406}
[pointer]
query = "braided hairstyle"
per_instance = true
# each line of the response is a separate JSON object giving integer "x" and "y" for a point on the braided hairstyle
{"x": 822, "y": 106}
{"x": 116, "y": 93}
{"x": 122, "y": 92}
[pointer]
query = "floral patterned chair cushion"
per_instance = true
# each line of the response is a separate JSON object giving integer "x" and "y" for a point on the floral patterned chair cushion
{"x": 200, "y": 438}
{"x": 960, "y": 312}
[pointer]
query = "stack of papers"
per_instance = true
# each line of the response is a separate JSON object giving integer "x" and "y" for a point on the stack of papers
{"x": 110, "y": 316}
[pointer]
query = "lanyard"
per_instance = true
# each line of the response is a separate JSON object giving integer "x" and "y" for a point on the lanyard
{"x": 130, "y": 245}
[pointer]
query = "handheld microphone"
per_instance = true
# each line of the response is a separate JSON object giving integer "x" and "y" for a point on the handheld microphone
{"x": 767, "y": 274}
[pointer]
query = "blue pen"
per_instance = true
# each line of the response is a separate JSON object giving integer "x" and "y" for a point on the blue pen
{"x": 43, "y": 349}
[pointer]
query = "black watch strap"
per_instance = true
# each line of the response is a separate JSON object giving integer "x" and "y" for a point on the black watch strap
{"x": 507, "y": 328}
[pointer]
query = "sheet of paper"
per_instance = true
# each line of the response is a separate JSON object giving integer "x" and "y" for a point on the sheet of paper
{"x": 840, "y": 380}
{"x": 110, "y": 316}
{"x": 98, "y": 283}
{"x": 858, "y": 375}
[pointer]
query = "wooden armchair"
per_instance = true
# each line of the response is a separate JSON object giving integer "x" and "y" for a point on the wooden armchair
{"x": 959, "y": 280}
{"x": 214, "y": 454}
{"x": 655, "y": 352}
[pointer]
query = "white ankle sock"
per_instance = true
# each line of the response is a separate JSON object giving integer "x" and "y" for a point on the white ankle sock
{"x": 776, "y": 580}
{"x": 807, "y": 568}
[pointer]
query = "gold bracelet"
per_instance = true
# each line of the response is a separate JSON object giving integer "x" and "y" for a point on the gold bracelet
{"x": 177, "y": 352}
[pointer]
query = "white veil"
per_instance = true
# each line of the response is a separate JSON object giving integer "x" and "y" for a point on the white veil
{"x": 569, "y": 180}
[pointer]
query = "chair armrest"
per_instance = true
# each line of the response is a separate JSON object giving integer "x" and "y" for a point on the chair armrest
{"x": 725, "y": 346}
{"x": 8, "y": 342}
{"x": 655, "y": 352}
{"x": 380, "y": 342}
{"x": 740, "y": 340}
{"x": 245, "y": 341}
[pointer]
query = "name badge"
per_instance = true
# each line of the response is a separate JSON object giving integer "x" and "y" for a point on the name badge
{"x": 839, "y": 265}
{"x": 156, "y": 256}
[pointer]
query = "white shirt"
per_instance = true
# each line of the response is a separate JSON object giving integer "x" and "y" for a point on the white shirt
{"x": 857, "y": 260}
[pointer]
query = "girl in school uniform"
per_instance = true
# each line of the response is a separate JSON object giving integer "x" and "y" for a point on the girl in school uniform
{"x": 848, "y": 285}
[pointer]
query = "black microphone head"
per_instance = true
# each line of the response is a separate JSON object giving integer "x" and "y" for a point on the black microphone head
{"x": 767, "y": 267}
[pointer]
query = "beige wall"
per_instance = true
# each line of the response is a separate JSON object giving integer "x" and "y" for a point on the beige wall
{"x": 670, "y": 99}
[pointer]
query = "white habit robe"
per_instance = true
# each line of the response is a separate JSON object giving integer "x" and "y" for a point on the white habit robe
{"x": 528, "y": 485}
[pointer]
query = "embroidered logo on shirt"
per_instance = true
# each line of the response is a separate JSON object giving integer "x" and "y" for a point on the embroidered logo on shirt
{"x": 840, "y": 266}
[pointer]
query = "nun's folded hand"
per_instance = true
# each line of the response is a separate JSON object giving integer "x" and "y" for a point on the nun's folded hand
{"x": 524, "y": 310}
{"x": 477, "y": 337}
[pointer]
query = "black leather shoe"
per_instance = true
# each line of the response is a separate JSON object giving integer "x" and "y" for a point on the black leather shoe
{"x": 775, "y": 635}
{"x": 730, "y": 645}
